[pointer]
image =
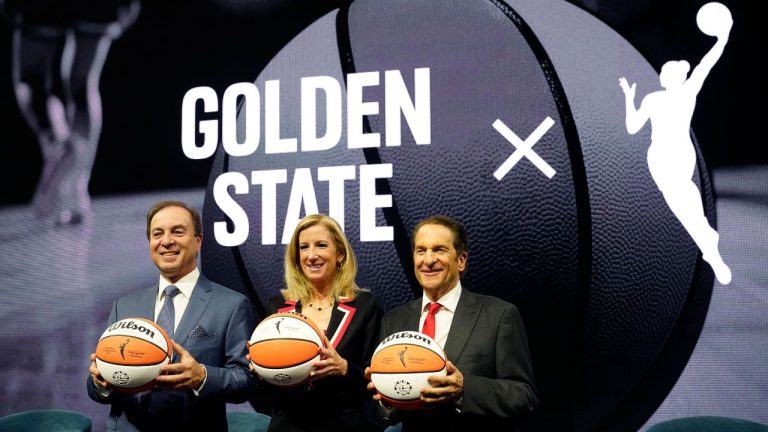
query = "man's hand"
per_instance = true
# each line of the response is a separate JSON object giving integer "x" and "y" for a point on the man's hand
{"x": 187, "y": 374}
{"x": 370, "y": 386}
{"x": 251, "y": 367}
{"x": 96, "y": 375}
{"x": 444, "y": 388}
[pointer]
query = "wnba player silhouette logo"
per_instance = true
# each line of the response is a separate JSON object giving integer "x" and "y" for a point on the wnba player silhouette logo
{"x": 122, "y": 348}
{"x": 671, "y": 155}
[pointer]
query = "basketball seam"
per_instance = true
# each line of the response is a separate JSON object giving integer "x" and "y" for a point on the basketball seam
{"x": 401, "y": 241}
{"x": 408, "y": 372}
{"x": 400, "y": 400}
{"x": 132, "y": 364}
{"x": 580, "y": 183}
{"x": 282, "y": 367}
{"x": 440, "y": 353}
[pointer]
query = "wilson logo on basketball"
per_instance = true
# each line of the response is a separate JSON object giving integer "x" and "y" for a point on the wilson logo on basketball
{"x": 131, "y": 325}
{"x": 407, "y": 335}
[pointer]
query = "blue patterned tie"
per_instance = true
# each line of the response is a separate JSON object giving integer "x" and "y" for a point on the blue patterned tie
{"x": 167, "y": 317}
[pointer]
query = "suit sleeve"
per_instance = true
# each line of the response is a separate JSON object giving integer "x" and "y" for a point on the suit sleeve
{"x": 233, "y": 382}
{"x": 512, "y": 393}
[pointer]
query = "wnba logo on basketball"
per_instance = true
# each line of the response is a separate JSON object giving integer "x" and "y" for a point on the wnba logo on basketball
{"x": 288, "y": 326}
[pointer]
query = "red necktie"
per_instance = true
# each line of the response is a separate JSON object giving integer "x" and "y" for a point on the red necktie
{"x": 429, "y": 322}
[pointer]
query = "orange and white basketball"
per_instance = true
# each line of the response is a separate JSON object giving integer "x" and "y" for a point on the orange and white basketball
{"x": 283, "y": 348}
{"x": 131, "y": 352}
{"x": 400, "y": 367}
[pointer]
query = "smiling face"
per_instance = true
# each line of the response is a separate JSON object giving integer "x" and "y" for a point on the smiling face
{"x": 173, "y": 245}
{"x": 318, "y": 256}
{"x": 436, "y": 262}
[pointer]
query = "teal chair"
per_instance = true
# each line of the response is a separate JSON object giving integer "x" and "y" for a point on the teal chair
{"x": 48, "y": 420}
{"x": 708, "y": 424}
{"x": 247, "y": 421}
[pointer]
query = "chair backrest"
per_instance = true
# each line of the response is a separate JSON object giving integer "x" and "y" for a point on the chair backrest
{"x": 708, "y": 424}
{"x": 48, "y": 420}
{"x": 246, "y": 421}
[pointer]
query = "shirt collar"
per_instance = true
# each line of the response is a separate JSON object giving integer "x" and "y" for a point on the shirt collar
{"x": 185, "y": 284}
{"x": 449, "y": 301}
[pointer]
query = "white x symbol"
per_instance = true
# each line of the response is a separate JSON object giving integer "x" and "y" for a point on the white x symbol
{"x": 524, "y": 148}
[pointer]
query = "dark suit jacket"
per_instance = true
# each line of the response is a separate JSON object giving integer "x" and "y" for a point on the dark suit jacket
{"x": 222, "y": 320}
{"x": 332, "y": 403}
{"x": 488, "y": 344}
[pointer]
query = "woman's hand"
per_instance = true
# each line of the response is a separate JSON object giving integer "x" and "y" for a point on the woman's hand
{"x": 330, "y": 363}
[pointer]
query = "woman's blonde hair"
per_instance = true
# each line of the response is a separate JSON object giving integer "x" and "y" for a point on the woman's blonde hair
{"x": 297, "y": 286}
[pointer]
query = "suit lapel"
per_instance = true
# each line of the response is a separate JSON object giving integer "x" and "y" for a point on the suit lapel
{"x": 201, "y": 297}
{"x": 464, "y": 319}
{"x": 408, "y": 318}
{"x": 291, "y": 306}
{"x": 341, "y": 317}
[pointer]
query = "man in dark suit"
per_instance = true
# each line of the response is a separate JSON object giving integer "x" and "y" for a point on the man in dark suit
{"x": 489, "y": 383}
{"x": 211, "y": 325}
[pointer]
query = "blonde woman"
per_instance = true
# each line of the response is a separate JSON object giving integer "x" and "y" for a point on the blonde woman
{"x": 320, "y": 271}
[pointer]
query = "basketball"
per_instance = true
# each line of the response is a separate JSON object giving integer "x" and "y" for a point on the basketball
{"x": 283, "y": 347}
{"x": 131, "y": 352}
{"x": 612, "y": 289}
{"x": 400, "y": 366}
{"x": 714, "y": 19}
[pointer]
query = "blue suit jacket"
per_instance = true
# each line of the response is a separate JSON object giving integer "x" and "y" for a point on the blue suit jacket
{"x": 222, "y": 320}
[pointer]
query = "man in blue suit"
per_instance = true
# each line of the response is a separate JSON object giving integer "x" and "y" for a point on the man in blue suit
{"x": 211, "y": 326}
{"x": 489, "y": 383}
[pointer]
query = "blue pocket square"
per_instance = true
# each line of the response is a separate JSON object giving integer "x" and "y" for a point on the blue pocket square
{"x": 198, "y": 331}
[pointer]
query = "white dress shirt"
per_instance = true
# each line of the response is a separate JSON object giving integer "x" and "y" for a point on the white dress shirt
{"x": 185, "y": 285}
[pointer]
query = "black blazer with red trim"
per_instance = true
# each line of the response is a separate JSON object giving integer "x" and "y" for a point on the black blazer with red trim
{"x": 333, "y": 403}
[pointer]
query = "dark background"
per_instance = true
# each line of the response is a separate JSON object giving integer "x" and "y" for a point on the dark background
{"x": 176, "y": 45}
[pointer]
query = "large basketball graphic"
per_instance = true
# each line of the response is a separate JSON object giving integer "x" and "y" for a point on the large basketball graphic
{"x": 525, "y": 143}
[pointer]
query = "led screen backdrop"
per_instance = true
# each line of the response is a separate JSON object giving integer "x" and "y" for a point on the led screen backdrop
{"x": 638, "y": 272}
